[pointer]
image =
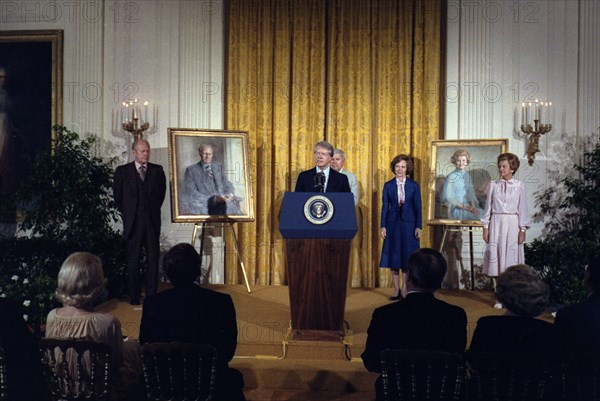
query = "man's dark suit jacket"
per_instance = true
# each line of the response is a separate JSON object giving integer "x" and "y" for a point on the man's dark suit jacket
{"x": 513, "y": 334}
{"x": 419, "y": 322}
{"x": 191, "y": 314}
{"x": 126, "y": 194}
{"x": 337, "y": 182}
{"x": 578, "y": 325}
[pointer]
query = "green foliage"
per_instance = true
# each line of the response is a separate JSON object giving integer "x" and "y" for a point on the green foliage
{"x": 68, "y": 207}
{"x": 571, "y": 210}
{"x": 69, "y": 194}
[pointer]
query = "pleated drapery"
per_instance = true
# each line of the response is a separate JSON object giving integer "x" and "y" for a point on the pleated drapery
{"x": 363, "y": 75}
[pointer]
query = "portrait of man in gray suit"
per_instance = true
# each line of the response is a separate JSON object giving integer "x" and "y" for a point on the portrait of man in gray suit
{"x": 207, "y": 191}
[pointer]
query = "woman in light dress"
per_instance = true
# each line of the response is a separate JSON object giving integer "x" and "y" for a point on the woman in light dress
{"x": 505, "y": 220}
{"x": 80, "y": 282}
{"x": 458, "y": 190}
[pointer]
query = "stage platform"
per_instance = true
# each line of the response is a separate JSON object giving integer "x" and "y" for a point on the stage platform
{"x": 277, "y": 368}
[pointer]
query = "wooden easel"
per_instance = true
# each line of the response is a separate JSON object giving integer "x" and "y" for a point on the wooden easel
{"x": 459, "y": 228}
{"x": 200, "y": 226}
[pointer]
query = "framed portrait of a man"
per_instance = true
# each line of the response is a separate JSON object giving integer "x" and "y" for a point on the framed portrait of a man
{"x": 209, "y": 172}
{"x": 31, "y": 82}
{"x": 461, "y": 171}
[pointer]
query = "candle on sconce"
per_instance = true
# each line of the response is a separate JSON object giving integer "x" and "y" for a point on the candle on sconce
{"x": 523, "y": 116}
{"x": 536, "y": 111}
{"x": 146, "y": 111}
{"x": 550, "y": 113}
{"x": 527, "y": 110}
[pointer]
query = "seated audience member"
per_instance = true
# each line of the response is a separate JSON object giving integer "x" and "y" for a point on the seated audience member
{"x": 578, "y": 325}
{"x": 188, "y": 313}
{"x": 525, "y": 296}
{"x": 80, "y": 282}
{"x": 420, "y": 321}
{"x": 24, "y": 380}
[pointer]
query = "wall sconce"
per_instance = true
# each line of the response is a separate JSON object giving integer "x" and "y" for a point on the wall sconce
{"x": 537, "y": 110}
{"x": 136, "y": 125}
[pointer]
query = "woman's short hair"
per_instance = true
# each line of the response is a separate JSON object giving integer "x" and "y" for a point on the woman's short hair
{"x": 522, "y": 291}
{"x": 512, "y": 159}
{"x": 182, "y": 264}
{"x": 459, "y": 153}
{"x": 80, "y": 279}
{"x": 409, "y": 164}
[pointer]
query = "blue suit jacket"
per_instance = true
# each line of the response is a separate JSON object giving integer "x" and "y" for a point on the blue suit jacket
{"x": 337, "y": 182}
{"x": 411, "y": 210}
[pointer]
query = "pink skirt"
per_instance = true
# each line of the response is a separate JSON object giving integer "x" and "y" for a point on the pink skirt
{"x": 503, "y": 249}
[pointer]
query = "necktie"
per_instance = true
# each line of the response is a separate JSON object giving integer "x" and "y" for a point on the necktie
{"x": 142, "y": 172}
{"x": 209, "y": 171}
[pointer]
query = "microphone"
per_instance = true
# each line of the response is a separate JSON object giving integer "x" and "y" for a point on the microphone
{"x": 320, "y": 182}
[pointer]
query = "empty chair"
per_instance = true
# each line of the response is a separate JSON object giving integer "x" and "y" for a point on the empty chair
{"x": 423, "y": 375}
{"x": 178, "y": 371}
{"x": 77, "y": 369}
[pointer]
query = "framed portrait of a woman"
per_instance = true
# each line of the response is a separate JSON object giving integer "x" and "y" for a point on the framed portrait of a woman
{"x": 461, "y": 173}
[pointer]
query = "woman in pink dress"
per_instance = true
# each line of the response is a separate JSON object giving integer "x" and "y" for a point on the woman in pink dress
{"x": 505, "y": 221}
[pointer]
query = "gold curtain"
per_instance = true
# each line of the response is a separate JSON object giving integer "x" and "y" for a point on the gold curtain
{"x": 363, "y": 75}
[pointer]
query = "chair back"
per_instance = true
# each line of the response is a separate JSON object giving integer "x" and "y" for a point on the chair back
{"x": 581, "y": 381}
{"x": 423, "y": 375}
{"x": 516, "y": 376}
{"x": 3, "y": 379}
{"x": 178, "y": 371}
{"x": 77, "y": 369}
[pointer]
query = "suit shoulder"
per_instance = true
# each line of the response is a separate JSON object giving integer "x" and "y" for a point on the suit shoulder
{"x": 123, "y": 167}
{"x": 154, "y": 165}
{"x": 388, "y": 309}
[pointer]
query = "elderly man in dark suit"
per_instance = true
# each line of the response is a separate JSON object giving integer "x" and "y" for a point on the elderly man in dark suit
{"x": 139, "y": 191}
{"x": 190, "y": 314}
{"x": 322, "y": 178}
{"x": 579, "y": 325}
{"x": 207, "y": 189}
{"x": 420, "y": 321}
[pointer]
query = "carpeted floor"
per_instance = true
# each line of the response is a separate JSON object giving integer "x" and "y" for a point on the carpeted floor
{"x": 276, "y": 368}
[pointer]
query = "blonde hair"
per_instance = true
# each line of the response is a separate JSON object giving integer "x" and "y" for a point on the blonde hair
{"x": 80, "y": 279}
{"x": 458, "y": 153}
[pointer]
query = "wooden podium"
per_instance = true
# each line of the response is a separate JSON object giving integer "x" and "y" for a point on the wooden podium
{"x": 317, "y": 258}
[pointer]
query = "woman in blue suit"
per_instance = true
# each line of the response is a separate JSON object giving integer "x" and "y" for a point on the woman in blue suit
{"x": 400, "y": 221}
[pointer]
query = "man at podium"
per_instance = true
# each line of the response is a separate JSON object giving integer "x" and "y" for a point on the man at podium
{"x": 322, "y": 178}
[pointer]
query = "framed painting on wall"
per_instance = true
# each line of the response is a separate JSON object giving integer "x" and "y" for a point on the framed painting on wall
{"x": 209, "y": 173}
{"x": 461, "y": 171}
{"x": 31, "y": 103}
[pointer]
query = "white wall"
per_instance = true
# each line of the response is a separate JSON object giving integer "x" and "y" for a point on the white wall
{"x": 169, "y": 53}
{"x": 501, "y": 53}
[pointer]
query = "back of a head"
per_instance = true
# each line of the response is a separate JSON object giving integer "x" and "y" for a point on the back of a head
{"x": 522, "y": 291}
{"x": 427, "y": 268}
{"x": 182, "y": 264}
{"x": 80, "y": 279}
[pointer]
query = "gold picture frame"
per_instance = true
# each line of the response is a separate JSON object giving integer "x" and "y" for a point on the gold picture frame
{"x": 31, "y": 103}
{"x": 456, "y": 198}
{"x": 221, "y": 193}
